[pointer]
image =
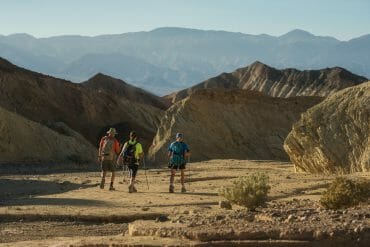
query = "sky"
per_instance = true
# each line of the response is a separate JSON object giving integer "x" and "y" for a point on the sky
{"x": 343, "y": 19}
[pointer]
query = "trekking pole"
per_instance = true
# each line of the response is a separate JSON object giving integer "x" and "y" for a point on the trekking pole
{"x": 189, "y": 172}
{"x": 126, "y": 173}
{"x": 146, "y": 177}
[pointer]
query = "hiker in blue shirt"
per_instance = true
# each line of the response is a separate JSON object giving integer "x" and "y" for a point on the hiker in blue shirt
{"x": 178, "y": 151}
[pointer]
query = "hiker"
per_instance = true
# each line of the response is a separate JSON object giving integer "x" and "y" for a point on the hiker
{"x": 131, "y": 154}
{"x": 178, "y": 151}
{"x": 109, "y": 148}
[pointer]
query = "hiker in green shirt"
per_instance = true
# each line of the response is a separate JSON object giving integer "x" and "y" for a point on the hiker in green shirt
{"x": 132, "y": 153}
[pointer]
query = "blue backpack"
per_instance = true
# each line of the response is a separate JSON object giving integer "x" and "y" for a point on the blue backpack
{"x": 178, "y": 154}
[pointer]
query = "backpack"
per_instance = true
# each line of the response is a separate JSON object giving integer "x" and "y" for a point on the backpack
{"x": 107, "y": 148}
{"x": 178, "y": 154}
{"x": 129, "y": 153}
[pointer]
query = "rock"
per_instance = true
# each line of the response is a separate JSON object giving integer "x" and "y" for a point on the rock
{"x": 303, "y": 218}
{"x": 290, "y": 218}
{"x": 332, "y": 137}
{"x": 224, "y": 204}
{"x": 162, "y": 218}
{"x": 144, "y": 208}
{"x": 194, "y": 212}
{"x": 320, "y": 234}
{"x": 220, "y": 217}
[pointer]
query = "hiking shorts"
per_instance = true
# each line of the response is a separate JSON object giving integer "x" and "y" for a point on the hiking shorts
{"x": 108, "y": 166}
{"x": 177, "y": 167}
{"x": 132, "y": 169}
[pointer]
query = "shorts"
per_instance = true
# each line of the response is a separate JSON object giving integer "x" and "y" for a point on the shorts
{"x": 132, "y": 169}
{"x": 108, "y": 166}
{"x": 177, "y": 167}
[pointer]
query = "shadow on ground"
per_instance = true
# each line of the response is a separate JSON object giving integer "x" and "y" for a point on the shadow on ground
{"x": 23, "y": 192}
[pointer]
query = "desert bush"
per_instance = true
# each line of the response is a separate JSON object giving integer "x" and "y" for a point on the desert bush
{"x": 250, "y": 191}
{"x": 343, "y": 193}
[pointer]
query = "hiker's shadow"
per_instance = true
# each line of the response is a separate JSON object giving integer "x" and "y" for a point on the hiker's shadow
{"x": 199, "y": 193}
{"x": 179, "y": 193}
{"x": 23, "y": 191}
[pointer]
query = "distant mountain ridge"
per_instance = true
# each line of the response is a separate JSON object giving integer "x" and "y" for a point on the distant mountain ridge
{"x": 169, "y": 59}
{"x": 278, "y": 83}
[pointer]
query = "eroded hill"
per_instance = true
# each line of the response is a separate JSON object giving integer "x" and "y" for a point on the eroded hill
{"x": 278, "y": 83}
{"x": 237, "y": 124}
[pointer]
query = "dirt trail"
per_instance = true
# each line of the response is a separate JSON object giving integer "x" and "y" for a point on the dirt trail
{"x": 73, "y": 206}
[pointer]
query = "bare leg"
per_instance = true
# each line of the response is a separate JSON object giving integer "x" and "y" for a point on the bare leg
{"x": 132, "y": 181}
{"x": 103, "y": 174}
{"x": 112, "y": 181}
{"x": 183, "y": 178}
{"x": 112, "y": 178}
{"x": 183, "y": 190}
{"x": 172, "y": 179}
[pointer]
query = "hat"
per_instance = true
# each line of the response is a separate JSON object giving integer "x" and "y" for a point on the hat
{"x": 112, "y": 130}
{"x": 178, "y": 135}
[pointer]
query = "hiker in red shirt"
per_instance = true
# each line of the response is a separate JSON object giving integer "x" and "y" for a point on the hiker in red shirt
{"x": 109, "y": 148}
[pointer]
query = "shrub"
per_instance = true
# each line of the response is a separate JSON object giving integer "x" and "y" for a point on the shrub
{"x": 343, "y": 193}
{"x": 250, "y": 191}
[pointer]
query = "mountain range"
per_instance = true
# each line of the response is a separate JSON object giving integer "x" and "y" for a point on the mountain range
{"x": 246, "y": 114}
{"x": 169, "y": 59}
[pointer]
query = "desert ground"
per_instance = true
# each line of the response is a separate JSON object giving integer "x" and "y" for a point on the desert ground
{"x": 69, "y": 209}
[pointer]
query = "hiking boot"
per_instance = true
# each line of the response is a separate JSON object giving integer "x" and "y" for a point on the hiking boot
{"x": 183, "y": 190}
{"x": 134, "y": 189}
{"x": 130, "y": 190}
{"x": 171, "y": 189}
{"x": 111, "y": 188}
{"x": 102, "y": 183}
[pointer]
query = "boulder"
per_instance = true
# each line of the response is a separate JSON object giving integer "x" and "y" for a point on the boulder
{"x": 333, "y": 136}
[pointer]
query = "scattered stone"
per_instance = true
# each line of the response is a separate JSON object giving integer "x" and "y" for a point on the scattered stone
{"x": 162, "y": 218}
{"x": 290, "y": 218}
{"x": 303, "y": 218}
{"x": 224, "y": 204}
{"x": 220, "y": 217}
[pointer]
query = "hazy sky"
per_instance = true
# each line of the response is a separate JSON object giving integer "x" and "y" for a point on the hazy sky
{"x": 343, "y": 19}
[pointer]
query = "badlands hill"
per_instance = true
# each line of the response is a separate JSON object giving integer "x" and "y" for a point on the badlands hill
{"x": 83, "y": 108}
{"x": 278, "y": 83}
{"x": 25, "y": 140}
{"x": 122, "y": 89}
{"x": 224, "y": 124}
{"x": 333, "y": 136}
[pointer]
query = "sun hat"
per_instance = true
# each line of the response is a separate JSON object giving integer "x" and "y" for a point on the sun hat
{"x": 112, "y": 131}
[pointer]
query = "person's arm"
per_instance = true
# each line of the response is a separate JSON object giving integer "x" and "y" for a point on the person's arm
{"x": 169, "y": 154}
{"x": 123, "y": 149}
{"x": 187, "y": 151}
{"x": 116, "y": 147}
{"x": 100, "y": 149}
{"x": 120, "y": 156}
